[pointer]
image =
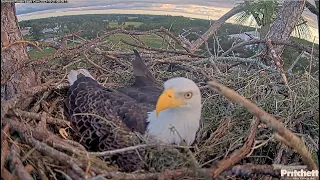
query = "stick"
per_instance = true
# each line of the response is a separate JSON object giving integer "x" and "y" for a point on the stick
{"x": 277, "y": 60}
{"x": 17, "y": 165}
{"x": 217, "y": 24}
{"x": 4, "y": 145}
{"x": 291, "y": 139}
{"x": 17, "y": 42}
{"x": 50, "y": 120}
{"x": 7, "y": 105}
{"x": 161, "y": 50}
{"x": 236, "y": 156}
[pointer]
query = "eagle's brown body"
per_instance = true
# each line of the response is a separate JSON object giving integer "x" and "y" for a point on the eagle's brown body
{"x": 107, "y": 119}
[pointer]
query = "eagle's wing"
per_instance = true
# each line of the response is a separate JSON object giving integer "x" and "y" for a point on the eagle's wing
{"x": 144, "y": 90}
{"x": 87, "y": 96}
{"x": 105, "y": 119}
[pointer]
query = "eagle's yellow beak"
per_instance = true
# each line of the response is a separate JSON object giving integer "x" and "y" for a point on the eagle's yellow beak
{"x": 168, "y": 100}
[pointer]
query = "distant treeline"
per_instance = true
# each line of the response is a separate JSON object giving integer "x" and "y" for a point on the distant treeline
{"x": 93, "y": 24}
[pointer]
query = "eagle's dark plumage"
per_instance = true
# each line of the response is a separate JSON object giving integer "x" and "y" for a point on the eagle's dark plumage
{"x": 105, "y": 119}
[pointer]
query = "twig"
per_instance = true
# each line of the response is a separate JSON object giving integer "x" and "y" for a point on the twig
{"x": 17, "y": 165}
{"x": 277, "y": 160}
{"x": 249, "y": 169}
{"x": 105, "y": 53}
{"x": 7, "y": 175}
{"x": 94, "y": 64}
{"x": 295, "y": 62}
{"x": 161, "y": 50}
{"x": 291, "y": 139}
{"x": 117, "y": 151}
{"x": 212, "y": 30}
{"x": 236, "y": 156}
{"x": 73, "y": 62}
{"x": 4, "y": 146}
{"x": 70, "y": 35}
{"x": 60, "y": 156}
{"x": 137, "y": 39}
{"x": 310, "y": 64}
{"x": 177, "y": 40}
{"x": 7, "y": 105}
{"x": 211, "y": 58}
{"x": 180, "y": 58}
{"x": 75, "y": 50}
{"x": 83, "y": 39}
{"x": 238, "y": 59}
{"x": 278, "y": 63}
{"x": 66, "y": 176}
{"x": 40, "y": 170}
{"x": 17, "y": 42}
{"x": 42, "y": 135}
{"x": 169, "y": 44}
{"x": 50, "y": 120}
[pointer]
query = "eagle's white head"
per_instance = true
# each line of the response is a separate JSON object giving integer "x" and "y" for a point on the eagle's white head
{"x": 178, "y": 112}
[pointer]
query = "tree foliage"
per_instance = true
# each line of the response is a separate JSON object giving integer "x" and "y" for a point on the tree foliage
{"x": 263, "y": 12}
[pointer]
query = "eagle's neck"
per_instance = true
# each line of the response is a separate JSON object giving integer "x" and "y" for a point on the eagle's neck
{"x": 183, "y": 120}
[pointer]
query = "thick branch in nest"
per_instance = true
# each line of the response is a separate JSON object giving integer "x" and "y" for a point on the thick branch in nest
{"x": 43, "y": 135}
{"x": 12, "y": 103}
{"x": 50, "y": 120}
{"x": 44, "y": 148}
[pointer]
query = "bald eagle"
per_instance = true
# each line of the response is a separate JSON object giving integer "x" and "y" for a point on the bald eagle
{"x": 106, "y": 119}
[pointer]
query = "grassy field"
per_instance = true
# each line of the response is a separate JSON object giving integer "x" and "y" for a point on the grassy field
{"x": 153, "y": 41}
{"x": 115, "y": 24}
{"x": 38, "y": 54}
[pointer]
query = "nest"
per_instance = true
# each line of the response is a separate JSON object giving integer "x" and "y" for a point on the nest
{"x": 49, "y": 148}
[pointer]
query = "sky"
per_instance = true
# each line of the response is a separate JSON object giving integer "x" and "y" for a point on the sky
{"x": 204, "y": 9}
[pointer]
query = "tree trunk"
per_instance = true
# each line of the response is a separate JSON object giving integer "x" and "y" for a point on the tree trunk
{"x": 285, "y": 22}
{"x": 15, "y": 77}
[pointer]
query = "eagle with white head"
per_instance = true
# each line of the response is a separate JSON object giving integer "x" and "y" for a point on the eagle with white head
{"x": 170, "y": 114}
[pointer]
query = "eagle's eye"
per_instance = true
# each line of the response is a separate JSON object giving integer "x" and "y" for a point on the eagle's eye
{"x": 188, "y": 95}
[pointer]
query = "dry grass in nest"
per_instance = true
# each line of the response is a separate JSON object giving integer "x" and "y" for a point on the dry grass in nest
{"x": 224, "y": 126}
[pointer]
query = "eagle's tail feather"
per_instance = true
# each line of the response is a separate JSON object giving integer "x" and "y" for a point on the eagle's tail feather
{"x": 140, "y": 69}
{"x": 73, "y": 75}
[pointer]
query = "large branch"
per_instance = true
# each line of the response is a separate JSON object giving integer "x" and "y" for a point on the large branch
{"x": 216, "y": 25}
